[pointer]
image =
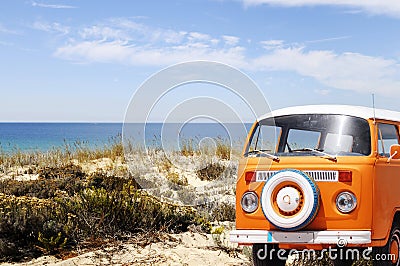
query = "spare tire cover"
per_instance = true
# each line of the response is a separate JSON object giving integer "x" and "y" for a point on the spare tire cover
{"x": 290, "y": 199}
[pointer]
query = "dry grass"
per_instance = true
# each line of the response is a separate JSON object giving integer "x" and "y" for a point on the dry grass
{"x": 222, "y": 148}
{"x": 61, "y": 156}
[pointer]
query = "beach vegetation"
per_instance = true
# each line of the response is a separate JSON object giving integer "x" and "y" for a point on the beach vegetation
{"x": 211, "y": 171}
{"x": 66, "y": 206}
{"x": 74, "y": 197}
{"x": 223, "y": 211}
{"x": 223, "y": 149}
{"x": 176, "y": 179}
{"x": 188, "y": 147}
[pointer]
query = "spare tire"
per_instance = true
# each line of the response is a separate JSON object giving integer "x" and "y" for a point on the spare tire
{"x": 290, "y": 199}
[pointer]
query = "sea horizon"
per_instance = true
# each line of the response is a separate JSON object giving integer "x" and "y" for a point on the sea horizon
{"x": 44, "y": 136}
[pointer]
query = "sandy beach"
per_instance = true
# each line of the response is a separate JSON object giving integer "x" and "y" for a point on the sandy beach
{"x": 175, "y": 249}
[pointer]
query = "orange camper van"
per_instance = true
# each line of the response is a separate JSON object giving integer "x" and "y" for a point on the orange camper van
{"x": 321, "y": 177}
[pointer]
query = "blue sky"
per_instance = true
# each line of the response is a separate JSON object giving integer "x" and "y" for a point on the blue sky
{"x": 70, "y": 60}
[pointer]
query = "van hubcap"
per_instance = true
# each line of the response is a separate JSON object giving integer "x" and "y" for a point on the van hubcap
{"x": 288, "y": 200}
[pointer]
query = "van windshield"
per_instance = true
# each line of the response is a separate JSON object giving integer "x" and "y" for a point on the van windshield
{"x": 326, "y": 135}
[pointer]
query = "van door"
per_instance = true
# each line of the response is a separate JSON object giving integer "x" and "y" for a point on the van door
{"x": 386, "y": 197}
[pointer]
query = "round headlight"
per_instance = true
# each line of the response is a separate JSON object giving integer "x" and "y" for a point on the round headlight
{"x": 346, "y": 202}
{"x": 249, "y": 202}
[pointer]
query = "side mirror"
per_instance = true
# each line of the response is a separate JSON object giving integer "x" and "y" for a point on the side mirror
{"x": 394, "y": 152}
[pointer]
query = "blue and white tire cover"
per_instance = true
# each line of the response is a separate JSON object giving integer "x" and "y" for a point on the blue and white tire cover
{"x": 290, "y": 200}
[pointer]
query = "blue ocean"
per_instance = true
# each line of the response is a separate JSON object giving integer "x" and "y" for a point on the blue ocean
{"x": 46, "y": 136}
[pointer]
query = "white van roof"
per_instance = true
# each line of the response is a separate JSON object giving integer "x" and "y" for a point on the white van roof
{"x": 357, "y": 111}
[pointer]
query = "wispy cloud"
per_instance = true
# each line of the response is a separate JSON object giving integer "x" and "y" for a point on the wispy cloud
{"x": 6, "y": 43}
{"x": 120, "y": 52}
{"x": 128, "y": 42}
{"x": 349, "y": 71}
{"x": 55, "y": 6}
{"x": 53, "y": 27}
{"x": 272, "y": 44}
{"x": 329, "y": 39}
{"x": 5, "y": 30}
{"x": 375, "y": 7}
{"x": 230, "y": 40}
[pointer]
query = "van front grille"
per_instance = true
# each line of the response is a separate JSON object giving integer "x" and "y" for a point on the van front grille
{"x": 317, "y": 175}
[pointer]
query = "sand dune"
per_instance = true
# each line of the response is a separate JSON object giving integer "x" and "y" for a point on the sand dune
{"x": 177, "y": 249}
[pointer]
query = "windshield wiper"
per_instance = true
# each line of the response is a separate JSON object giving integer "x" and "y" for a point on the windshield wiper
{"x": 321, "y": 153}
{"x": 263, "y": 152}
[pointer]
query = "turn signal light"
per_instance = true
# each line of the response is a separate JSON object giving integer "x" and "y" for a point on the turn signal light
{"x": 345, "y": 176}
{"x": 250, "y": 176}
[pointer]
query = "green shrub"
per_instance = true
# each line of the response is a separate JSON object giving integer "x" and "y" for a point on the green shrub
{"x": 101, "y": 179}
{"x": 113, "y": 213}
{"x": 223, "y": 212}
{"x": 7, "y": 249}
{"x": 66, "y": 171}
{"x": 186, "y": 195}
{"x": 176, "y": 179}
{"x": 21, "y": 219}
{"x": 218, "y": 230}
{"x": 43, "y": 188}
{"x": 104, "y": 207}
{"x": 53, "y": 243}
{"x": 211, "y": 172}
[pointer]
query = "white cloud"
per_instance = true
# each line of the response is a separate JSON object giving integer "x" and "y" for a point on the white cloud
{"x": 272, "y": 44}
{"x": 171, "y": 36}
{"x": 385, "y": 7}
{"x": 128, "y": 30}
{"x": 120, "y": 52}
{"x": 103, "y": 33}
{"x": 197, "y": 36}
{"x": 54, "y": 27}
{"x": 126, "y": 24}
{"x": 350, "y": 71}
{"x": 230, "y": 40}
{"x": 127, "y": 42}
{"x": 55, "y": 6}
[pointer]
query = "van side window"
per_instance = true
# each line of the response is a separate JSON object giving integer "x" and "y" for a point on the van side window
{"x": 387, "y": 136}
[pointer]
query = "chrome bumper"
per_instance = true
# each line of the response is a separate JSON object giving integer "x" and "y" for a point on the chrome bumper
{"x": 340, "y": 238}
